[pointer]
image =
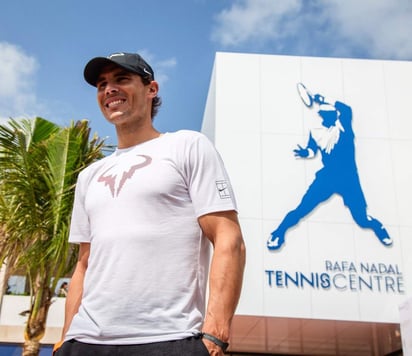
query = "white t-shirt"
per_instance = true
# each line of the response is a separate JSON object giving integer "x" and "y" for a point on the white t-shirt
{"x": 148, "y": 265}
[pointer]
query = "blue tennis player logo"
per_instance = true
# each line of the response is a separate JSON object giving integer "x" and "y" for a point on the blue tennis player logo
{"x": 334, "y": 140}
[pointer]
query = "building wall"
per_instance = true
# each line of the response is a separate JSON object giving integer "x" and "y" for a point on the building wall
{"x": 14, "y": 307}
{"x": 12, "y": 321}
{"x": 256, "y": 118}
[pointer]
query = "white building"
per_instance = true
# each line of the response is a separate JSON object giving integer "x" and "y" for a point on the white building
{"x": 333, "y": 287}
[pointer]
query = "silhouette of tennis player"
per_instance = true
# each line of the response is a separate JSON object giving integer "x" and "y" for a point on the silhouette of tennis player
{"x": 334, "y": 139}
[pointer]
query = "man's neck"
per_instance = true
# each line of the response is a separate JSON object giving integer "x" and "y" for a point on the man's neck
{"x": 129, "y": 137}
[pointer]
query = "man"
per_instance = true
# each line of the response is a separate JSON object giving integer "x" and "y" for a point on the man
{"x": 144, "y": 218}
{"x": 335, "y": 140}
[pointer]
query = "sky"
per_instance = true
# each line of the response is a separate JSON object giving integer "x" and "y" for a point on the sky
{"x": 45, "y": 44}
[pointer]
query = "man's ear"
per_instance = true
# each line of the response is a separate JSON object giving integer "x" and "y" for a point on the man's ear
{"x": 153, "y": 88}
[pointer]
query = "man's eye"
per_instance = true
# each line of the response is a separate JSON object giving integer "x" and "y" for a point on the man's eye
{"x": 101, "y": 85}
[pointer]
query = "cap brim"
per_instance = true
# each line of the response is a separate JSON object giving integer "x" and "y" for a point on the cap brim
{"x": 94, "y": 67}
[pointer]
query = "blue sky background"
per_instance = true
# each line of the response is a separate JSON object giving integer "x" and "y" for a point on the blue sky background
{"x": 44, "y": 46}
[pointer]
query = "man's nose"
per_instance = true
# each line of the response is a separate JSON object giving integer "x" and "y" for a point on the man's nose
{"x": 110, "y": 89}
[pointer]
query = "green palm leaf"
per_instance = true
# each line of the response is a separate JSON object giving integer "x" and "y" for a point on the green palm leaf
{"x": 39, "y": 165}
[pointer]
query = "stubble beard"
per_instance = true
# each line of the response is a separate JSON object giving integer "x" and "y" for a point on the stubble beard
{"x": 116, "y": 116}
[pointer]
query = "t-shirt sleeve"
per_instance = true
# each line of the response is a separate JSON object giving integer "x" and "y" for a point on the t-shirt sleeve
{"x": 209, "y": 185}
{"x": 79, "y": 226}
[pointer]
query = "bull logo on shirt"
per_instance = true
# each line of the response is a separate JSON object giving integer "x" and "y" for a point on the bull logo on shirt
{"x": 115, "y": 181}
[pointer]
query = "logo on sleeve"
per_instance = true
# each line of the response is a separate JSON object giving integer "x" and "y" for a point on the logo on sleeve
{"x": 223, "y": 189}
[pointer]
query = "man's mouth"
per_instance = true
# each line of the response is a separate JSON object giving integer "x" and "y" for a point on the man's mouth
{"x": 114, "y": 103}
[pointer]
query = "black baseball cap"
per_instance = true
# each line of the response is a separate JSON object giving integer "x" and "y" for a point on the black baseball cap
{"x": 132, "y": 62}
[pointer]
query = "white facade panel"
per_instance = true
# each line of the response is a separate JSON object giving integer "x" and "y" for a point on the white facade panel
{"x": 330, "y": 266}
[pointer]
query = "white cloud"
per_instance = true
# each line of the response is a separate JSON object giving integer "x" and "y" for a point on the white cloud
{"x": 370, "y": 28}
{"x": 382, "y": 27}
{"x": 160, "y": 68}
{"x": 163, "y": 68}
{"x": 17, "y": 71}
{"x": 253, "y": 20}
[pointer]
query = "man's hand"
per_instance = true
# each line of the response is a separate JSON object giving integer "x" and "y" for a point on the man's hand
{"x": 57, "y": 346}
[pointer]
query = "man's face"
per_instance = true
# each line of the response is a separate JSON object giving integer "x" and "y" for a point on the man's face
{"x": 122, "y": 96}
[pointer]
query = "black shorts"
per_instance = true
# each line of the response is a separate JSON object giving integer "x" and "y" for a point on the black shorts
{"x": 192, "y": 346}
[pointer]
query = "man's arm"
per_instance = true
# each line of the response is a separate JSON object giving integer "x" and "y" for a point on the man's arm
{"x": 226, "y": 274}
{"x": 75, "y": 293}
